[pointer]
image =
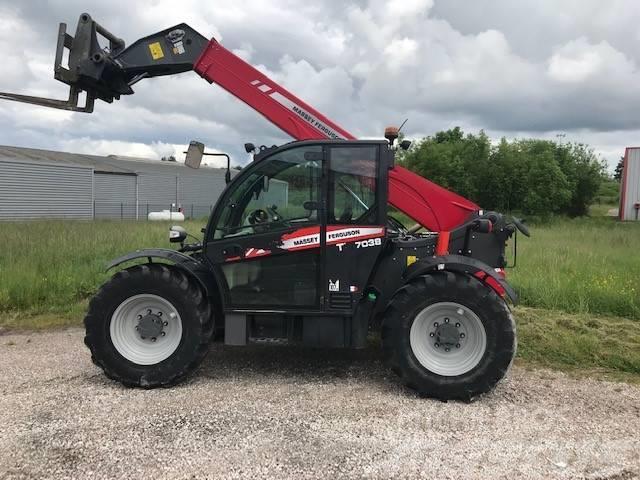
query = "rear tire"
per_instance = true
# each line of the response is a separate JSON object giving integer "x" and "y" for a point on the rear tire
{"x": 149, "y": 326}
{"x": 423, "y": 321}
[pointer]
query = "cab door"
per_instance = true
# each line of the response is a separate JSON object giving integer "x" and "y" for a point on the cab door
{"x": 356, "y": 213}
{"x": 265, "y": 233}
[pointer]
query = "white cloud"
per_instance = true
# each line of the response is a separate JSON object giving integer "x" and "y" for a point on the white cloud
{"x": 408, "y": 8}
{"x": 401, "y": 53}
{"x": 245, "y": 51}
{"x": 574, "y": 67}
{"x": 578, "y": 61}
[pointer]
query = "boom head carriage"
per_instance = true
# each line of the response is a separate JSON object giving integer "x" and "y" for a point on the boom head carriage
{"x": 101, "y": 66}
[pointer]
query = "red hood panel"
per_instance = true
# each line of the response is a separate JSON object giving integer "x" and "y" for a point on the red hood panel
{"x": 432, "y": 206}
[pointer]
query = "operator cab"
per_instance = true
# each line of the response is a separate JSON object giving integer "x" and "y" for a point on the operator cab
{"x": 301, "y": 227}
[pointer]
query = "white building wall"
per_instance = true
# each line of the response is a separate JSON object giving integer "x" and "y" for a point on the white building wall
{"x": 38, "y": 190}
{"x": 630, "y": 185}
{"x": 44, "y": 184}
{"x": 114, "y": 196}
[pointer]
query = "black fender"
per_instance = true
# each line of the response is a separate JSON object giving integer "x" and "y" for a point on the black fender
{"x": 459, "y": 264}
{"x": 189, "y": 264}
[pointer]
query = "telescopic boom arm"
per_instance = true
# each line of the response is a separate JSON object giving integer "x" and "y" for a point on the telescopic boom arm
{"x": 109, "y": 72}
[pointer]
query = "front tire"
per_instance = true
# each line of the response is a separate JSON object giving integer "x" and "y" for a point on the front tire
{"x": 449, "y": 336}
{"x": 149, "y": 326}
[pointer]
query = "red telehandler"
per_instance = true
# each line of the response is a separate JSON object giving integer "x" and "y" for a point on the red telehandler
{"x": 300, "y": 248}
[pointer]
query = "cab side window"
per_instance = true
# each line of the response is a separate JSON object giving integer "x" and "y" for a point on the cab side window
{"x": 353, "y": 185}
{"x": 283, "y": 192}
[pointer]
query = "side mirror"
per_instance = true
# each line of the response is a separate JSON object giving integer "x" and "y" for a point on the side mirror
{"x": 405, "y": 144}
{"x": 177, "y": 234}
{"x": 194, "y": 154}
{"x": 249, "y": 147}
{"x": 310, "y": 205}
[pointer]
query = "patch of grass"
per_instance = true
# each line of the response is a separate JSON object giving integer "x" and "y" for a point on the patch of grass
{"x": 583, "y": 265}
{"x": 601, "y": 210}
{"x": 56, "y": 318}
{"x": 586, "y": 265}
{"x": 608, "y": 192}
{"x": 50, "y": 268}
{"x": 585, "y": 341}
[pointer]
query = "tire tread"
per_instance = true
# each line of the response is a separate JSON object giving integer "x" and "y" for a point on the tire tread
{"x": 446, "y": 286}
{"x": 189, "y": 290}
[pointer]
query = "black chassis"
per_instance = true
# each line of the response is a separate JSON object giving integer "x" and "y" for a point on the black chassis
{"x": 342, "y": 319}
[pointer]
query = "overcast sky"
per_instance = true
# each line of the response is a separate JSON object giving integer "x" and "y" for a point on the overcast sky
{"x": 511, "y": 67}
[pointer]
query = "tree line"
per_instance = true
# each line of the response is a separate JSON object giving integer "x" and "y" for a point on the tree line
{"x": 532, "y": 176}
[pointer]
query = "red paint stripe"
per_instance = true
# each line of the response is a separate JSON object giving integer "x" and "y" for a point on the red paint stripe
{"x": 303, "y": 232}
{"x": 355, "y": 239}
{"x": 303, "y": 247}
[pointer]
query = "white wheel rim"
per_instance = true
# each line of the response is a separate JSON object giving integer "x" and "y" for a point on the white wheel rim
{"x": 432, "y": 339}
{"x": 128, "y": 341}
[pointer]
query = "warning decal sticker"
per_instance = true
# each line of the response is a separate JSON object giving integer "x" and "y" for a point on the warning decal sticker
{"x": 156, "y": 51}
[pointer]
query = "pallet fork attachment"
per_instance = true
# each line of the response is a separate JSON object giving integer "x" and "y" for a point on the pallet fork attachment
{"x": 107, "y": 72}
{"x": 70, "y": 104}
{"x": 60, "y": 73}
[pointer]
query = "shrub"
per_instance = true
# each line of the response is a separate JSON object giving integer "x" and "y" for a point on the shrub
{"x": 537, "y": 177}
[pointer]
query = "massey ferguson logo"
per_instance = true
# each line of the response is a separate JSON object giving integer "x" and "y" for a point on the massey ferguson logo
{"x": 316, "y": 123}
{"x": 336, "y": 235}
{"x": 342, "y": 234}
{"x": 301, "y": 112}
{"x": 304, "y": 241}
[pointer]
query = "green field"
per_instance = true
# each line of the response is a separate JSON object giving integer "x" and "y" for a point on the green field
{"x": 584, "y": 265}
{"x": 579, "y": 282}
{"x": 53, "y": 267}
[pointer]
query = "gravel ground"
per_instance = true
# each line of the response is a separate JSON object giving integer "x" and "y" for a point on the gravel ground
{"x": 284, "y": 412}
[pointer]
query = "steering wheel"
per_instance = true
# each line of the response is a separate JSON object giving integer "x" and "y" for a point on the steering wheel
{"x": 264, "y": 218}
{"x": 258, "y": 217}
